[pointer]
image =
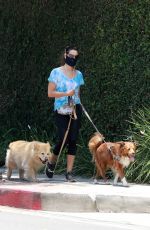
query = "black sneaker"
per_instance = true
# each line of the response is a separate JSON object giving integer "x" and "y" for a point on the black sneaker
{"x": 70, "y": 178}
{"x": 49, "y": 170}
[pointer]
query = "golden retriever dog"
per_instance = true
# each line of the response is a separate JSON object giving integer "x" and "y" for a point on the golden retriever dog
{"x": 27, "y": 157}
{"x": 108, "y": 155}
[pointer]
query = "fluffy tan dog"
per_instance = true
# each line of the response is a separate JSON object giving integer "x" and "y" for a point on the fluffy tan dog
{"x": 108, "y": 155}
{"x": 27, "y": 157}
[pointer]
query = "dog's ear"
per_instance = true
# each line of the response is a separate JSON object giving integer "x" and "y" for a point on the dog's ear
{"x": 48, "y": 145}
{"x": 36, "y": 146}
{"x": 122, "y": 144}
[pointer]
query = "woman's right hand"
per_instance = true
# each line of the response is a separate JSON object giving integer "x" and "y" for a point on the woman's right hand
{"x": 70, "y": 93}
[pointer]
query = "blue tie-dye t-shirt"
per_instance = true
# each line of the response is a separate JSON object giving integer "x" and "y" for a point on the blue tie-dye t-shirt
{"x": 64, "y": 84}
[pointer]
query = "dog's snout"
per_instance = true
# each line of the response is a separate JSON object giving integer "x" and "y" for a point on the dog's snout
{"x": 46, "y": 158}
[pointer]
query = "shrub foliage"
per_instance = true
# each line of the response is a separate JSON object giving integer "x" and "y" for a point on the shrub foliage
{"x": 140, "y": 130}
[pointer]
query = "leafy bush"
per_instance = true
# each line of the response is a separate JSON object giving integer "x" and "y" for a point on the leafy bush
{"x": 140, "y": 131}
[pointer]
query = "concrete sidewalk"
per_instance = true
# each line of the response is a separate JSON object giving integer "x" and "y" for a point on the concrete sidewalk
{"x": 83, "y": 196}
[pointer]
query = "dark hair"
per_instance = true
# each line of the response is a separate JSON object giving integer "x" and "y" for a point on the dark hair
{"x": 67, "y": 49}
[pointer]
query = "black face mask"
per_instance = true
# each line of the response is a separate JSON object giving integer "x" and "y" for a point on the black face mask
{"x": 70, "y": 61}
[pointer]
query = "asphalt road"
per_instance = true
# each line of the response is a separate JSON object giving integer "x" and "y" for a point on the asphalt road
{"x": 12, "y": 219}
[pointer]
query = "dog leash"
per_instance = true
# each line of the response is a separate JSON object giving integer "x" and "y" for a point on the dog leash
{"x": 72, "y": 116}
{"x": 65, "y": 137}
{"x": 88, "y": 116}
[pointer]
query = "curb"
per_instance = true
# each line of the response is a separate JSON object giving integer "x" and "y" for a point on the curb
{"x": 57, "y": 195}
{"x": 66, "y": 202}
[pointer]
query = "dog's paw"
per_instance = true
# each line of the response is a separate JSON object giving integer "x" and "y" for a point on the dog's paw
{"x": 95, "y": 181}
{"x": 121, "y": 185}
{"x": 107, "y": 182}
{"x": 34, "y": 180}
{"x": 126, "y": 185}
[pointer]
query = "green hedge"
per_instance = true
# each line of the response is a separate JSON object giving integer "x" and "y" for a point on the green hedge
{"x": 113, "y": 38}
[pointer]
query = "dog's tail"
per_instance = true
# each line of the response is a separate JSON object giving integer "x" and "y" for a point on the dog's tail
{"x": 95, "y": 141}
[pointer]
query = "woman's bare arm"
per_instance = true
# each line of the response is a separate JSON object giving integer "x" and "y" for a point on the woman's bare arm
{"x": 53, "y": 93}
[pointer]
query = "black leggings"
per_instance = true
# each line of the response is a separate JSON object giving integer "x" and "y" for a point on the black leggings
{"x": 62, "y": 124}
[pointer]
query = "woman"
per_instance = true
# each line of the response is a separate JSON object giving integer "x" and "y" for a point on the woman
{"x": 64, "y": 84}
